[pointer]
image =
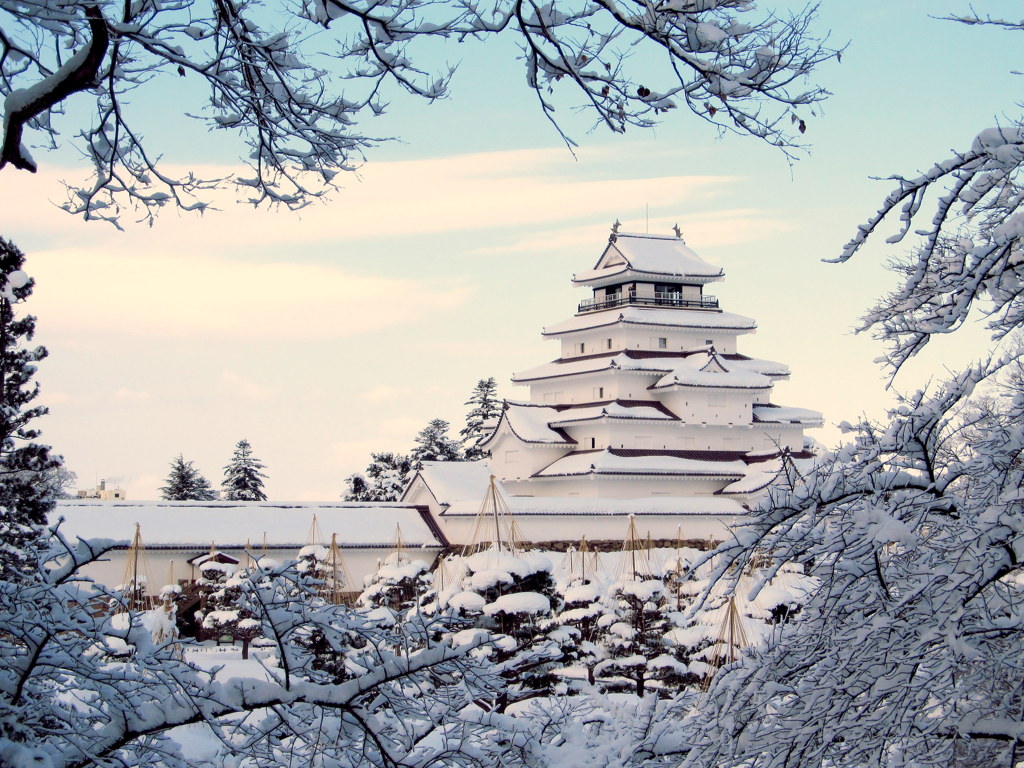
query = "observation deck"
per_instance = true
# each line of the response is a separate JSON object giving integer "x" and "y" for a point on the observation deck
{"x": 663, "y": 300}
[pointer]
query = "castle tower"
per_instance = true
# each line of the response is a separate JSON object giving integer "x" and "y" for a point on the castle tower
{"x": 650, "y": 395}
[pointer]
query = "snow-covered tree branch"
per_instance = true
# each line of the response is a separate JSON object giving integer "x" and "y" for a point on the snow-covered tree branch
{"x": 292, "y": 79}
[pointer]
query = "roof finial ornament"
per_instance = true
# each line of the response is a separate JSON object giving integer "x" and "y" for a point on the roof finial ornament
{"x": 615, "y": 231}
{"x": 678, "y": 231}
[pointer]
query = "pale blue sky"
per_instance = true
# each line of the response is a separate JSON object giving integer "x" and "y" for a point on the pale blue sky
{"x": 324, "y": 335}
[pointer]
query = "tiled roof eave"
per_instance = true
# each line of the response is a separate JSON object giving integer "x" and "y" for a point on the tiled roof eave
{"x": 689, "y": 385}
{"x": 609, "y": 417}
{"x": 651, "y": 371}
{"x": 205, "y": 545}
{"x": 623, "y": 474}
{"x": 619, "y": 271}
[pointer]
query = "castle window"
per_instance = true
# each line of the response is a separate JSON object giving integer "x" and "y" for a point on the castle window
{"x": 662, "y": 342}
{"x": 582, "y": 347}
{"x": 511, "y": 457}
{"x": 609, "y": 343}
{"x": 598, "y": 392}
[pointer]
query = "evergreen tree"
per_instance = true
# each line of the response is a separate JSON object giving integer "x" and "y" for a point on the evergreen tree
{"x": 25, "y": 496}
{"x": 225, "y": 609}
{"x": 384, "y": 480}
{"x": 433, "y": 444}
{"x": 243, "y": 480}
{"x": 186, "y": 483}
{"x": 486, "y": 409}
{"x": 634, "y": 634}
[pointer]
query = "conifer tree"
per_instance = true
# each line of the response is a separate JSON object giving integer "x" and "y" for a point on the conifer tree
{"x": 486, "y": 409}
{"x": 243, "y": 480}
{"x": 25, "y": 496}
{"x": 433, "y": 444}
{"x": 384, "y": 480}
{"x": 186, "y": 483}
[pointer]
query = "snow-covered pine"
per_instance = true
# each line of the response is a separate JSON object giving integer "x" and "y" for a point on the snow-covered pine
{"x": 400, "y": 585}
{"x": 26, "y": 467}
{"x": 578, "y": 619}
{"x": 633, "y": 635}
{"x": 275, "y": 85}
{"x": 385, "y": 478}
{"x": 434, "y": 444}
{"x": 517, "y": 598}
{"x": 224, "y": 606}
{"x": 243, "y": 480}
{"x": 185, "y": 483}
{"x": 481, "y": 418}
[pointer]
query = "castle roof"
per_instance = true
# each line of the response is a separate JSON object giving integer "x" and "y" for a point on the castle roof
{"x": 709, "y": 369}
{"x": 664, "y": 318}
{"x": 632, "y": 255}
{"x": 530, "y": 423}
{"x": 592, "y": 363}
{"x": 615, "y": 409}
{"x": 453, "y": 481}
{"x": 769, "y": 413}
{"x": 635, "y": 461}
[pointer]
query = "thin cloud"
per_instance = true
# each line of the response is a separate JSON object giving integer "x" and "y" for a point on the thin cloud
{"x": 173, "y": 297}
{"x": 127, "y": 395}
{"x": 237, "y": 385}
{"x": 480, "y": 191}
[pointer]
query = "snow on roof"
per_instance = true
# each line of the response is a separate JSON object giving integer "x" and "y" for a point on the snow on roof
{"x": 709, "y": 369}
{"x": 665, "y": 318}
{"x": 763, "y": 473}
{"x": 572, "y": 367}
{"x": 530, "y": 423}
{"x": 612, "y": 462}
{"x": 527, "y": 506}
{"x": 195, "y": 524}
{"x": 452, "y": 481}
{"x": 764, "y": 367}
{"x": 615, "y": 410}
{"x": 756, "y": 480}
{"x": 650, "y": 254}
{"x": 767, "y": 413}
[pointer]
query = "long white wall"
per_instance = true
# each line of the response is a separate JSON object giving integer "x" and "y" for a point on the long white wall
{"x": 611, "y": 526}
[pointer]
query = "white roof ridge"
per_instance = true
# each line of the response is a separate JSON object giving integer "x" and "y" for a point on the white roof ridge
{"x": 648, "y": 235}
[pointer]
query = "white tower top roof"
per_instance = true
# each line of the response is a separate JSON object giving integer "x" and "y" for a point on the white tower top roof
{"x": 631, "y": 256}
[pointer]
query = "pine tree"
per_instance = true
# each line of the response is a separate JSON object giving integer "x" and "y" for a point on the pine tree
{"x": 433, "y": 444}
{"x": 25, "y": 497}
{"x": 384, "y": 480}
{"x": 185, "y": 483}
{"x": 486, "y": 409}
{"x": 243, "y": 480}
{"x": 225, "y": 610}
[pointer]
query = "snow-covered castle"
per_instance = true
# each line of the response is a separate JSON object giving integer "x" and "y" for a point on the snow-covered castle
{"x": 650, "y": 408}
{"x": 649, "y": 411}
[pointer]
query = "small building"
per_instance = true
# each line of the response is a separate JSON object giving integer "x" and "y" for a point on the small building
{"x": 178, "y": 534}
{"x": 102, "y": 492}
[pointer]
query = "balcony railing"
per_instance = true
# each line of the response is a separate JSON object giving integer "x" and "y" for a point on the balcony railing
{"x": 658, "y": 300}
